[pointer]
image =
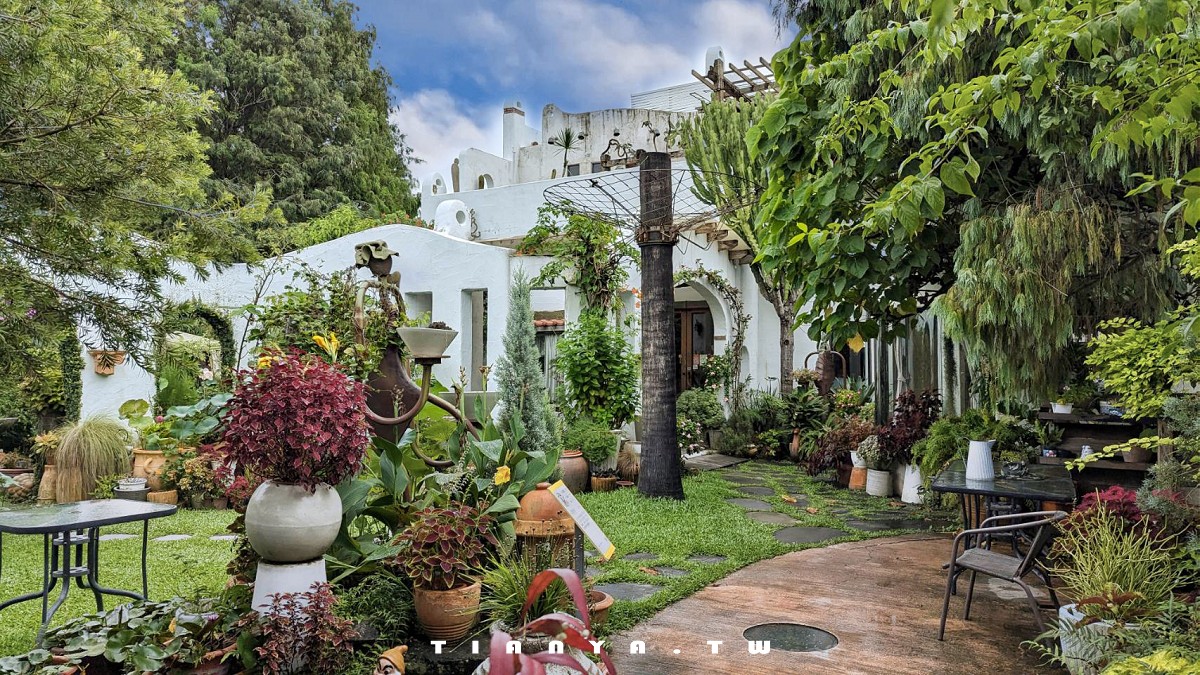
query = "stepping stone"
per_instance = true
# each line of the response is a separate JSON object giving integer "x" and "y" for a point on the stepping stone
{"x": 629, "y": 591}
{"x": 116, "y": 537}
{"x": 751, "y": 504}
{"x": 670, "y": 571}
{"x": 173, "y": 537}
{"x": 801, "y": 500}
{"x": 756, "y": 490}
{"x": 640, "y": 556}
{"x": 742, "y": 479}
{"x": 706, "y": 559}
{"x": 771, "y": 518}
{"x": 713, "y": 461}
{"x": 223, "y": 537}
{"x": 593, "y": 571}
{"x": 807, "y": 535}
{"x": 839, "y": 512}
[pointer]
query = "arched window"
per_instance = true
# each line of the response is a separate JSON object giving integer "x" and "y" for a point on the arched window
{"x": 485, "y": 181}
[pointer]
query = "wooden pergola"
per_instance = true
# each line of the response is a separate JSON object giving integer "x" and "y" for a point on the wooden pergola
{"x": 738, "y": 82}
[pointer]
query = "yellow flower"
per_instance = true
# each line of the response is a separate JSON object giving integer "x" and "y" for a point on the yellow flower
{"x": 329, "y": 345}
{"x": 264, "y": 362}
{"x": 333, "y": 343}
{"x": 503, "y": 475}
{"x": 321, "y": 342}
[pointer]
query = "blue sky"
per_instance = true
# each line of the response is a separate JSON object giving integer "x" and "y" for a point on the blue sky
{"x": 456, "y": 62}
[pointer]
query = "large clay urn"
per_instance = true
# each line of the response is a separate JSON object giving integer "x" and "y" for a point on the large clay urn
{"x": 574, "y": 470}
{"x": 288, "y": 524}
{"x": 447, "y": 614}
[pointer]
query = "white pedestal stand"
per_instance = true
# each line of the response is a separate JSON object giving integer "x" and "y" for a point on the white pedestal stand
{"x": 275, "y": 578}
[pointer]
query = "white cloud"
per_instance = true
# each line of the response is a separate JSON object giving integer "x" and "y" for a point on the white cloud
{"x": 437, "y": 128}
{"x": 745, "y": 30}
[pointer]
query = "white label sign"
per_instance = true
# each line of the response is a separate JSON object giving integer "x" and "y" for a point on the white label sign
{"x": 583, "y": 519}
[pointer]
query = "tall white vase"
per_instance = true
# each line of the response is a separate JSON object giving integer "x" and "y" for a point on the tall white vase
{"x": 979, "y": 461}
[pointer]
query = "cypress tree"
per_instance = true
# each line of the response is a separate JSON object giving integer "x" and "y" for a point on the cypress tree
{"x": 519, "y": 371}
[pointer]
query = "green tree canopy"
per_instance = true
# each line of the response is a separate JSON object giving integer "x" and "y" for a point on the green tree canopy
{"x": 298, "y": 107}
{"x": 100, "y": 172}
{"x": 980, "y": 156}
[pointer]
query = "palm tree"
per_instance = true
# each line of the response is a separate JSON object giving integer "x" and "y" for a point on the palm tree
{"x": 660, "y": 474}
{"x": 567, "y": 141}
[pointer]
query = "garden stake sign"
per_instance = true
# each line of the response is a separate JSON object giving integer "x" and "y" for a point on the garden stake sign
{"x": 583, "y": 520}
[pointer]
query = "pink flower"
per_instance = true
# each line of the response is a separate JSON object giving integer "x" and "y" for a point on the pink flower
{"x": 160, "y": 419}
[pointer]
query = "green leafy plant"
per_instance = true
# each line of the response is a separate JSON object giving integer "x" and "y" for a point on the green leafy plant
{"x": 600, "y": 370}
{"x": 1141, "y": 363}
{"x": 383, "y": 601}
{"x": 947, "y": 439}
{"x": 519, "y": 370}
{"x": 701, "y": 405}
{"x": 593, "y": 439}
{"x": 506, "y": 581}
{"x": 444, "y": 547}
{"x": 106, "y": 486}
{"x": 591, "y": 255}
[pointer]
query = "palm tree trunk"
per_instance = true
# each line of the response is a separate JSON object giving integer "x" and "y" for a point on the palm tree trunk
{"x": 660, "y": 474}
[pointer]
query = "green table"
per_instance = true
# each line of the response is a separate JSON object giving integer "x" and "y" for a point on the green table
{"x": 75, "y": 528}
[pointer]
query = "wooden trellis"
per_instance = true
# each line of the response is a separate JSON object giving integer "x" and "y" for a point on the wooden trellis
{"x": 739, "y": 82}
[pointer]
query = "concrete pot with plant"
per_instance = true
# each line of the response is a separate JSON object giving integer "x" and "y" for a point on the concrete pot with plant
{"x": 295, "y": 514}
{"x": 446, "y": 592}
{"x": 879, "y": 477}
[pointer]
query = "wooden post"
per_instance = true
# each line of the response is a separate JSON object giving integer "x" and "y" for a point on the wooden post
{"x": 660, "y": 474}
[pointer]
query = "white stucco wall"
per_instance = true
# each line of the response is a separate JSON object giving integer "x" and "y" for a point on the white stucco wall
{"x": 429, "y": 262}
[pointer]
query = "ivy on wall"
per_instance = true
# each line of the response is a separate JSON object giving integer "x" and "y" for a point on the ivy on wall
{"x": 731, "y": 379}
{"x": 71, "y": 354}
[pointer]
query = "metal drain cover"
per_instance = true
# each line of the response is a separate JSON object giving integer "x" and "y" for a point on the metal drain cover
{"x": 792, "y": 637}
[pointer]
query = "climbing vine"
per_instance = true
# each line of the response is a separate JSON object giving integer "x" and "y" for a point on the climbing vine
{"x": 732, "y": 379}
{"x": 589, "y": 254}
{"x": 217, "y": 320}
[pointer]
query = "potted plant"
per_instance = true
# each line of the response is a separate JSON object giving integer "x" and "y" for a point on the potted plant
{"x": 90, "y": 449}
{"x": 442, "y": 551}
{"x": 1111, "y": 560}
{"x": 105, "y": 361}
{"x": 45, "y": 450}
{"x": 298, "y": 424}
{"x": 1079, "y": 394}
{"x": 429, "y": 342}
{"x": 14, "y": 464}
{"x": 604, "y": 480}
{"x": 572, "y": 633}
{"x": 1049, "y": 435}
{"x": 879, "y": 477}
{"x": 505, "y": 583}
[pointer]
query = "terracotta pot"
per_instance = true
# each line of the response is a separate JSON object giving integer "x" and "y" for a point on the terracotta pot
{"x": 843, "y": 473}
{"x": 148, "y": 464}
{"x": 858, "y": 478}
{"x": 163, "y": 497}
{"x": 599, "y": 603}
{"x": 540, "y": 505}
{"x": 604, "y": 483}
{"x": 1136, "y": 455}
{"x": 574, "y": 470}
{"x": 220, "y": 503}
{"x": 621, "y": 484}
{"x": 447, "y": 615}
{"x": 46, "y": 489}
{"x": 115, "y": 357}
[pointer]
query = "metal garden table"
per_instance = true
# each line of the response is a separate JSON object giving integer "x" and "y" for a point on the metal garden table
{"x": 1042, "y": 483}
{"x": 76, "y": 526}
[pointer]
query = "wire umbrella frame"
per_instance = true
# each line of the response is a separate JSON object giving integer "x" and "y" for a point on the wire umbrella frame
{"x": 615, "y": 197}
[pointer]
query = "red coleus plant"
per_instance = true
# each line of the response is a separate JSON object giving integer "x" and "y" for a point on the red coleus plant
{"x": 913, "y": 415}
{"x": 444, "y": 546}
{"x": 573, "y": 632}
{"x": 297, "y": 420}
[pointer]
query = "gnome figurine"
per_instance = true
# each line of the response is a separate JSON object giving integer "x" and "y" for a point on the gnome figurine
{"x": 391, "y": 662}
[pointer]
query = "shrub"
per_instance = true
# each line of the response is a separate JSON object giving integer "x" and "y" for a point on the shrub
{"x": 506, "y": 582}
{"x": 690, "y": 435}
{"x": 835, "y": 445}
{"x": 701, "y": 405}
{"x": 444, "y": 546}
{"x": 593, "y": 439}
{"x": 303, "y": 628}
{"x": 383, "y": 601}
{"x": 600, "y": 370}
{"x": 871, "y": 453}
{"x": 519, "y": 371}
{"x": 297, "y": 420}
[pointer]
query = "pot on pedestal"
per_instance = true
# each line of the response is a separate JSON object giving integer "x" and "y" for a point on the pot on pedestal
{"x": 288, "y": 524}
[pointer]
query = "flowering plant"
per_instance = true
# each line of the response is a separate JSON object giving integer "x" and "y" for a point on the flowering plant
{"x": 193, "y": 475}
{"x": 691, "y": 435}
{"x": 297, "y": 420}
{"x": 443, "y": 546}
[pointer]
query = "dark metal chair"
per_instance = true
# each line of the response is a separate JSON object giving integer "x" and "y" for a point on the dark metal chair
{"x": 981, "y": 559}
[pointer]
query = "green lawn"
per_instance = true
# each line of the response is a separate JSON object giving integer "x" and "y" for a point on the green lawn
{"x": 187, "y": 568}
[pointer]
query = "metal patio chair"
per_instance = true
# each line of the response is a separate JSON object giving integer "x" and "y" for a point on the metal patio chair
{"x": 982, "y": 560}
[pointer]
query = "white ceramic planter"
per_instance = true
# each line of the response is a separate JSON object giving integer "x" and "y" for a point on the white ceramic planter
{"x": 288, "y": 524}
{"x": 427, "y": 343}
{"x": 898, "y": 472}
{"x": 979, "y": 461}
{"x": 1078, "y": 652}
{"x": 856, "y": 460}
{"x": 1062, "y": 408}
{"x": 879, "y": 483}
{"x": 911, "y": 493}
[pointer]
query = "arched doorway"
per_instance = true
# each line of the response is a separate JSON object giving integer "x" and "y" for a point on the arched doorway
{"x": 698, "y": 329}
